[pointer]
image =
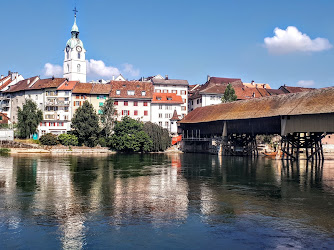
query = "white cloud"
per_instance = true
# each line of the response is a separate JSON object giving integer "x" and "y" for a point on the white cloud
{"x": 97, "y": 68}
{"x": 128, "y": 69}
{"x": 305, "y": 83}
{"x": 292, "y": 40}
{"x": 53, "y": 70}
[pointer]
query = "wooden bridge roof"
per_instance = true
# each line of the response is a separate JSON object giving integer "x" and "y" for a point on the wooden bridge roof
{"x": 318, "y": 101}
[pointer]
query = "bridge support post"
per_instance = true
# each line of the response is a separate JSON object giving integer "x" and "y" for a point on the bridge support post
{"x": 239, "y": 145}
{"x": 292, "y": 145}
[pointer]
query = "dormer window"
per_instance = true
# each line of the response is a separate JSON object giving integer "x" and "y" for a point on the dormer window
{"x": 169, "y": 98}
{"x": 159, "y": 98}
{"x": 143, "y": 93}
{"x": 118, "y": 92}
{"x": 131, "y": 92}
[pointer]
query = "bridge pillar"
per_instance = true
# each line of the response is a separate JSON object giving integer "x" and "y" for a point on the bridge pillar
{"x": 309, "y": 143}
{"x": 239, "y": 145}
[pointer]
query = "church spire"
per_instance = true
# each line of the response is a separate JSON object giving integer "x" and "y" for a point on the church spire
{"x": 75, "y": 29}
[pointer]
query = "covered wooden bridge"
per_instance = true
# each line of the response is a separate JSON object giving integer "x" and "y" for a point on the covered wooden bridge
{"x": 302, "y": 119}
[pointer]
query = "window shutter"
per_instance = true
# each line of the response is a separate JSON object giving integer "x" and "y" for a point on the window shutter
{"x": 122, "y": 112}
{"x": 73, "y": 103}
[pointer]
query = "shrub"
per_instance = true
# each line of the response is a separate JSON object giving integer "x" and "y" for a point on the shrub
{"x": 102, "y": 142}
{"x": 68, "y": 140}
{"x": 48, "y": 139}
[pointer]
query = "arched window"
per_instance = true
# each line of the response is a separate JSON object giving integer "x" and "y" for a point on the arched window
{"x": 68, "y": 68}
{"x": 78, "y": 68}
{"x": 78, "y": 55}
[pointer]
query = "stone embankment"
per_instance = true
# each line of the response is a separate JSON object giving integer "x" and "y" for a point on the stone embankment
{"x": 27, "y": 148}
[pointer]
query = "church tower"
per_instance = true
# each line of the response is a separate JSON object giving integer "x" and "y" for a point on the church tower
{"x": 75, "y": 60}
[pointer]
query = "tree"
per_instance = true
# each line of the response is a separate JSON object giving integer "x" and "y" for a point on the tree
{"x": 229, "y": 94}
{"x": 68, "y": 140}
{"x": 86, "y": 124}
{"x": 108, "y": 116}
{"x": 28, "y": 119}
{"x": 129, "y": 136}
{"x": 160, "y": 136}
{"x": 48, "y": 139}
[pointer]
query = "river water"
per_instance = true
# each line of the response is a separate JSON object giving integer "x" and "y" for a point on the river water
{"x": 181, "y": 201}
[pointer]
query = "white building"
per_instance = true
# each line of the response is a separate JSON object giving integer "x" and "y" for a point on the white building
{"x": 75, "y": 57}
{"x": 173, "y": 86}
{"x": 163, "y": 107}
{"x": 132, "y": 98}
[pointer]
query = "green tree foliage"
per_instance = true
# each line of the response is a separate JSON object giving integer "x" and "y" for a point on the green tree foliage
{"x": 129, "y": 136}
{"x": 68, "y": 140}
{"x": 108, "y": 116}
{"x": 229, "y": 94}
{"x": 28, "y": 119}
{"x": 48, "y": 139}
{"x": 86, "y": 124}
{"x": 160, "y": 136}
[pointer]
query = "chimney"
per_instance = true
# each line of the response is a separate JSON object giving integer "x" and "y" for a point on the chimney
{"x": 264, "y": 86}
{"x": 9, "y": 72}
{"x": 28, "y": 81}
{"x": 2, "y": 76}
{"x": 14, "y": 75}
{"x": 166, "y": 77}
{"x": 53, "y": 77}
{"x": 253, "y": 82}
{"x": 113, "y": 78}
{"x": 208, "y": 78}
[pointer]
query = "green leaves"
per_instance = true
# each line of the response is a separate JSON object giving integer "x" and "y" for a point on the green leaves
{"x": 86, "y": 124}
{"x": 107, "y": 116}
{"x": 129, "y": 136}
{"x": 28, "y": 119}
{"x": 160, "y": 136}
{"x": 229, "y": 94}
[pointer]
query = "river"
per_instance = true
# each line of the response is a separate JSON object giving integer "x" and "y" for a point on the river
{"x": 158, "y": 201}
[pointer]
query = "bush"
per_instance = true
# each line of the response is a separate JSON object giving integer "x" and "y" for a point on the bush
{"x": 48, "y": 139}
{"x": 102, "y": 142}
{"x": 68, "y": 140}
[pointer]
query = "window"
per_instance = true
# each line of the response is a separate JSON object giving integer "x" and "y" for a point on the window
{"x": 116, "y": 103}
{"x": 131, "y": 92}
{"x": 78, "y": 55}
{"x": 126, "y": 103}
{"x": 183, "y": 92}
{"x": 159, "y": 98}
{"x": 197, "y": 101}
{"x": 136, "y": 112}
{"x": 135, "y": 103}
{"x": 143, "y": 93}
{"x": 118, "y": 92}
{"x": 168, "y": 115}
{"x": 169, "y": 98}
{"x": 125, "y": 112}
{"x": 65, "y": 117}
{"x": 158, "y": 90}
{"x": 165, "y": 91}
{"x": 160, "y": 124}
{"x": 174, "y": 91}
{"x": 184, "y": 100}
{"x": 160, "y": 106}
{"x": 145, "y": 112}
{"x": 78, "y": 68}
{"x": 77, "y": 97}
{"x": 183, "y": 108}
{"x": 160, "y": 115}
{"x": 145, "y": 103}
{"x": 100, "y": 104}
{"x": 168, "y": 107}
{"x": 166, "y": 124}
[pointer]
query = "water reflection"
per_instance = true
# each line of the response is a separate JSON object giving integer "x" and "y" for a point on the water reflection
{"x": 80, "y": 198}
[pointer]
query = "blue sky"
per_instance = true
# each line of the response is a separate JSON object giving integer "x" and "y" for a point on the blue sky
{"x": 182, "y": 38}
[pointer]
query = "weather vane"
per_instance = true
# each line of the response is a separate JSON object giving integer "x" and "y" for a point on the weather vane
{"x": 75, "y": 11}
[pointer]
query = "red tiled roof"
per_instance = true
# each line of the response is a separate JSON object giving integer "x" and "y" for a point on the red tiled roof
{"x": 68, "y": 85}
{"x": 5, "y": 84}
{"x": 136, "y": 86}
{"x": 82, "y": 88}
{"x": 175, "y": 117}
{"x": 22, "y": 85}
{"x": 103, "y": 89}
{"x": 4, "y": 115}
{"x": 170, "y": 98}
{"x": 222, "y": 80}
{"x": 170, "y": 81}
{"x": 48, "y": 83}
{"x": 275, "y": 91}
{"x": 290, "y": 89}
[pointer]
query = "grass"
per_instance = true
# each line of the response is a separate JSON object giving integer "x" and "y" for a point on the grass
{"x": 4, "y": 150}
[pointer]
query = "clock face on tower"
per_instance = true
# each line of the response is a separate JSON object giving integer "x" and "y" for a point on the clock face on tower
{"x": 79, "y": 49}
